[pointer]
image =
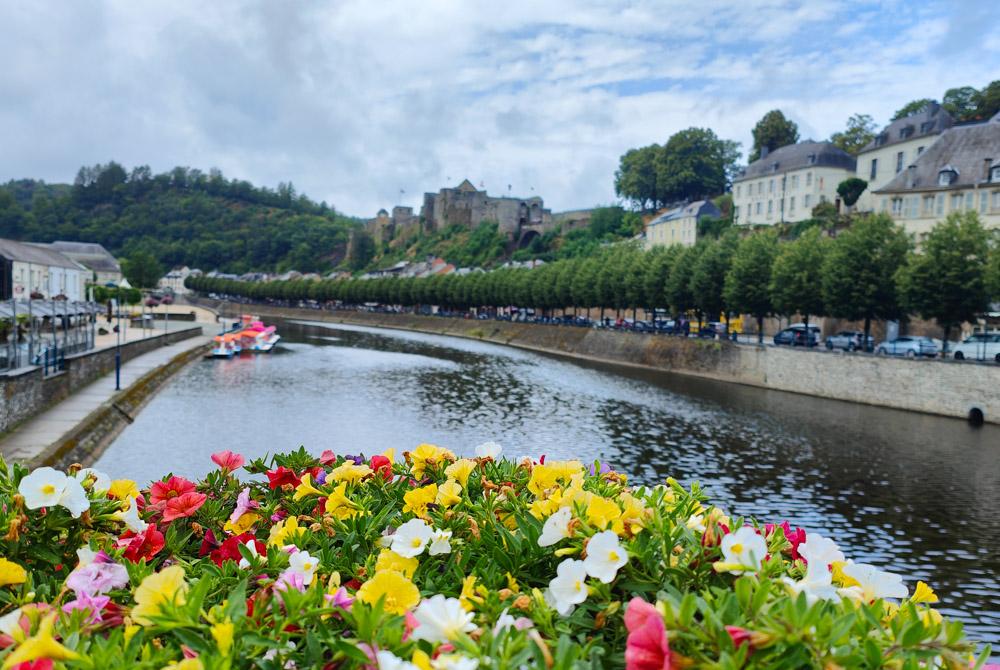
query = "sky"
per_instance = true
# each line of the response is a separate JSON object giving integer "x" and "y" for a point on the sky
{"x": 369, "y": 104}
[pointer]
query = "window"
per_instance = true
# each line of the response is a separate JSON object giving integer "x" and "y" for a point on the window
{"x": 983, "y": 202}
{"x": 760, "y": 187}
{"x": 920, "y": 150}
{"x": 928, "y": 205}
{"x": 874, "y": 170}
{"x": 806, "y": 200}
{"x": 809, "y": 178}
{"x": 956, "y": 202}
{"x": 947, "y": 176}
{"x": 791, "y": 204}
{"x": 822, "y": 198}
{"x": 758, "y": 207}
{"x": 995, "y": 174}
{"x": 906, "y": 132}
{"x": 899, "y": 162}
{"x": 737, "y": 190}
{"x": 885, "y": 204}
{"x": 996, "y": 199}
{"x": 821, "y": 183}
{"x": 926, "y": 127}
{"x": 770, "y": 207}
{"x": 795, "y": 181}
{"x": 736, "y": 213}
{"x": 770, "y": 186}
{"x": 939, "y": 205}
{"x": 970, "y": 200}
{"x": 910, "y": 204}
{"x": 897, "y": 206}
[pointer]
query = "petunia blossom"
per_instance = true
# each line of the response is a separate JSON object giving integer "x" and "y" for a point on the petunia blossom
{"x": 183, "y": 506}
{"x": 243, "y": 505}
{"x": 146, "y": 544}
{"x": 93, "y": 604}
{"x": 228, "y": 461}
{"x": 281, "y": 476}
{"x": 161, "y": 492}
{"x": 647, "y": 646}
{"x": 97, "y": 578}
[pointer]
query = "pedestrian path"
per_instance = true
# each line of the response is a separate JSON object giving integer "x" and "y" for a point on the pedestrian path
{"x": 35, "y": 435}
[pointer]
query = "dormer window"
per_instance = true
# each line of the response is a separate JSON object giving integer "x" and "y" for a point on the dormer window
{"x": 995, "y": 175}
{"x": 812, "y": 159}
{"x": 905, "y": 132}
{"x": 947, "y": 176}
{"x": 926, "y": 127}
{"x": 881, "y": 139}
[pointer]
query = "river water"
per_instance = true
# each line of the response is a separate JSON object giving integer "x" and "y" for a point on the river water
{"x": 919, "y": 495}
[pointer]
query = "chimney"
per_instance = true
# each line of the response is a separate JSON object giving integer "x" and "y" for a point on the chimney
{"x": 764, "y": 151}
{"x": 988, "y": 163}
{"x": 911, "y": 176}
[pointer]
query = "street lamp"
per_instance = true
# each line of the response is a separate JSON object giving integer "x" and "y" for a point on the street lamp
{"x": 118, "y": 331}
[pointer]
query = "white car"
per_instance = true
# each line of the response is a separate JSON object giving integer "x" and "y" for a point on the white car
{"x": 978, "y": 347}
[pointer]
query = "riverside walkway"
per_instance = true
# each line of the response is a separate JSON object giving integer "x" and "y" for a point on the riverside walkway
{"x": 32, "y": 438}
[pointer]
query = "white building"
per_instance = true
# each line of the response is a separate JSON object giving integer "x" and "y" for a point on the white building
{"x": 103, "y": 266}
{"x": 173, "y": 281}
{"x": 959, "y": 172}
{"x": 679, "y": 225}
{"x": 784, "y": 185}
{"x": 897, "y": 147}
{"x": 36, "y": 269}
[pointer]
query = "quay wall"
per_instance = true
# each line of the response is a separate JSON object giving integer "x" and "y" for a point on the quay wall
{"x": 26, "y": 392}
{"x": 942, "y": 387}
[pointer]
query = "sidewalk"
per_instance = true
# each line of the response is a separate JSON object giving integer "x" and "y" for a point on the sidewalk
{"x": 32, "y": 437}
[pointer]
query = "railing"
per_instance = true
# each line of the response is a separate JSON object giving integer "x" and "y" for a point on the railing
{"x": 42, "y": 332}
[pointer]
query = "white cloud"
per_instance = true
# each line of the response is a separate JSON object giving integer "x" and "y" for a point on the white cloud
{"x": 354, "y": 101}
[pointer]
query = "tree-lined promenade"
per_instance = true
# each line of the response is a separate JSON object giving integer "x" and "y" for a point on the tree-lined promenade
{"x": 869, "y": 272}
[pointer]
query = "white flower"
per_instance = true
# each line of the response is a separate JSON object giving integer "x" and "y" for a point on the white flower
{"x": 86, "y": 556}
{"x": 744, "y": 548}
{"x": 441, "y": 542}
{"x": 251, "y": 546}
{"x": 42, "y": 488}
{"x": 817, "y": 584}
{"x": 873, "y": 583}
{"x": 569, "y": 587}
{"x": 102, "y": 482}
{"x": 389, "y": 661}
{"x": 10, "y": 624}
{"x": 441, "y": 619}
{"x": 454, "y": 662}
{"x": 821, "y": 551}
{"x": 131, "y": 517}
{"x": 505, "y": 620}
{"x": 696, "y": 522}
{"x": 556, "y": 527}
{"x": 489, "y": 450}
{"x": 411, "y": 538}
{"x": 604, "y": 556}
{"x": 74, "y": 498}
{"x": 302, "y": 563}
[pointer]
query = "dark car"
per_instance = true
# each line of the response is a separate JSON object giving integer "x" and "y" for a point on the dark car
{"x": 798, "y": 335}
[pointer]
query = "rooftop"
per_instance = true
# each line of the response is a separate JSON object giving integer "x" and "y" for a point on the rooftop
{"x": 91, "y": 255}
{"x": 799, "y": 156}
{"x": 42, "y": 254}
{"x": 931, "y": 120}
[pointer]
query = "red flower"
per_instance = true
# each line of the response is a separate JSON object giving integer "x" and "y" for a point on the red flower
{"x": 208, "y": 543}
{"x": 646, "y": 647}
{"x": 183, "y": 506}
{"x": 795, "y": 538}
{"x": 382, "y": 466}
{"x": 328, "y": 457}
{"x": 739, "y": 635}
{"x": 161, "y": 492}
{"x": 230, "y": 549}
{"x": 228, "y": 461}
{"x": 144, "y": 545}
{"x": 38, "y": 664}
{"x": 282, "y": 476}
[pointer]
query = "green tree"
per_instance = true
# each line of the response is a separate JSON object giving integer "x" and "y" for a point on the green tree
{"x": 693, "y": 165}
{"x": 708, "y": 277}
{"x": 859, "y": 132}
{"x": 657, "y": 273}
{"x": 797, "y": 276}
{"x": 946, "y": 281}
{"x": 988, "y": 102}
{"x": 748, "y": 282}
{"x": 851, "y": 189}
{"x": 912, "y": 107}
{"x": 678, "y": 287}
{"x": 636, "y": 264}
{"x": 635, "y": 179}
{"x": 961, "y": 102}
{"x": 993, "y": 272}
{"x": 361, "y": 250}
{"x": 859, "y": 271}
{"x": 142, "y": 270}
{"x": 773, "y": 131}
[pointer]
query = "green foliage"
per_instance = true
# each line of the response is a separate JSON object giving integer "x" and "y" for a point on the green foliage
{"x": 912, "y": 107}
{"x": 142, "y": 269}
{"x": 635, "y": 178}
{"x": 964, "y": 103}
{"x": 773, "y": 131}
{"x": 708, "y": 276}
{"x": 861, "y": 129}
{"x": 360, "y": 250}
{"x": 850, "y": 190}
{"x": 946, "y": 281}
{"x": 992, "y": 279}
{"x": 748, "y": 281}
{"x": 796, "y": 276}
{"x": 961, "y": 102}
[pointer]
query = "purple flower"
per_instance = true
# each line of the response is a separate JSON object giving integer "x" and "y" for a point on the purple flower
{"x": 97, "y": 578}
{"x": 87, "y": 602}
{"x": 340, "y": 599}
{"x": 320, "y": 478}
{"x": 603, "y": 469}
{"x": 290, "y": 579}
{"x": 243, "y": 505}
{"x": 358, "y": 460}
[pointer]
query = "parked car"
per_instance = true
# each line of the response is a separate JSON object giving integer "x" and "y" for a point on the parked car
{"x": 798, "y": 335}
{"x": 849, "y": 340}
{"x": 978, "y": 347}
{"x": 909, "y": 346}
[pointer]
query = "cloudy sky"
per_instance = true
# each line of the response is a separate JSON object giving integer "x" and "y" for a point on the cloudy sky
{"x": 355, "y": 101}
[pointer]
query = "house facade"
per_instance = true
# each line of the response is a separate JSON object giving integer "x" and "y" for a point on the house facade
{"x": 959, "y": 172}
{"x": 897, "y": 147}
{"x": 103, "y": 266}
{"x": 36, "y": 269}
{"x": 679, "y": 225}
{"x": 784, "y": 185}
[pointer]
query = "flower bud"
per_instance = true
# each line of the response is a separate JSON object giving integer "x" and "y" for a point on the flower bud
{"x": 522, "y": 602}
{"x": 73, "y": 469}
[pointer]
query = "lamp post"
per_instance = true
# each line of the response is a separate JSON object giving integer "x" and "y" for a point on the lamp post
{"x": 118, "y": 331}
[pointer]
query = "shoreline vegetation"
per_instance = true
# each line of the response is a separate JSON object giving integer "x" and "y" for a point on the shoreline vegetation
{"x": 423, "y": 559}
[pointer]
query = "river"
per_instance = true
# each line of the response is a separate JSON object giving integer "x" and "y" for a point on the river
{"x": 917, "y": 494}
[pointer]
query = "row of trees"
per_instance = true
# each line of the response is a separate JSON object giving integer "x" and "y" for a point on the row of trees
{"x": 867, "y": 272}
{"x": 964, "y": 103}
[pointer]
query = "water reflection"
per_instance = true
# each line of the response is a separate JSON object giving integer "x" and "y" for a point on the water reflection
{"x": 913, "y": 492}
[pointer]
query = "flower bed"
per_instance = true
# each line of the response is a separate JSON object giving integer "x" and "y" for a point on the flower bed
{"x": 433, "y": 561}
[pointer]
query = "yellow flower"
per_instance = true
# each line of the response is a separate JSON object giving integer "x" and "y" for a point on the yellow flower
{"x": 449, "y": 493}
{"x": 421, "y": 660}
{"x": 186, "y": 664}
{"x": 223, "y": 634}
{"x": 551, "y": 474}
{"x": 285, "y": 532}
{"x": 633, "y": 516}
{"x": 243, "y": 524}
{"x": 130, "y": 631}
{"x": 460, "y": 470}
{"x": 390, "y": 560}
{"x": 923, "y": 594}
{"x": 930, "y": 617}
{"x": 123, "y": 489}
{"x": 428, "y": 454}
{"x": 40, "y": 645}
{"x": 469, "y": 597}
{"x": 390, "y": 454}
{"x": 417, "y": 500}
{"x": 306, "y": 488}
{"x": 400, "y": 593}
{"x": 601, "y": 512}
{"x": 543, "y": 508}
{"x": 11, "y": 573}
{"x": 339, "y": 505}
{"x": 512, "y": 583}
{"x": 350, "y": 472}
{"x": 156, "y": 590}
{"x": 839, "y": 577}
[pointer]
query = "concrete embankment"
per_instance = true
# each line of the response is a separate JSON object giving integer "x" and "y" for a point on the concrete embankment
{"x": 946, "y": 388}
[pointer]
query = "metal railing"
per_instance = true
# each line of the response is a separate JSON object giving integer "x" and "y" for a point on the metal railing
{"x": 44, "y": 332}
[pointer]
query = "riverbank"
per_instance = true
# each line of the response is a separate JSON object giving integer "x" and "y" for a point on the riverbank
{"x": 943, "y": 388}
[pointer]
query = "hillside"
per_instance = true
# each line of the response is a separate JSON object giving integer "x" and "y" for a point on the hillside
{"x": 183, "y": 217}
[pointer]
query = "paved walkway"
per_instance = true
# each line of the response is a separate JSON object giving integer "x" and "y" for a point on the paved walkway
{"x": 35, "y": 435}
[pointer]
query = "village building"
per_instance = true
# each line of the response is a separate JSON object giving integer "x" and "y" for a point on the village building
{"x": 104, "y": 267}
{"x": 37, "y": 270}
{"x": 679, "y": 225}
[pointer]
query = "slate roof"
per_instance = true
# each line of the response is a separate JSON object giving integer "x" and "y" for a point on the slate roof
{"x": 41, "y": 254}
{"x": 962, "y": 148}
{"x": 697, "y": 209}
{"x": 798, "y": 156}
{"x": 91, "y": 255}
{"x": 931, "y": 120}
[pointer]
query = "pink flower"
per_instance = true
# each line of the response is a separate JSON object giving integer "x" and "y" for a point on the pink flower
{"x": 646, "y": 647}
{"x": 161, "y": 492}
{"x": 340, "y": 599}
{"x": 97, "y": 578}
{"x": 86, "y": 602}
{"x": 795, "y": 538}
{"x": 328, "y": 457}
{"x": 228, "y": 461}
{"x": 739, "y": 636}
{"x": 183, "y": 506}
{"x": 243, "y": 505}
{"x": 290, "y": 579}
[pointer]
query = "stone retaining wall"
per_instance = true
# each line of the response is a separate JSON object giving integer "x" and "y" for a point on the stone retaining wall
{"x": 942, "y": 387}
{"x": 25, "y": 393}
